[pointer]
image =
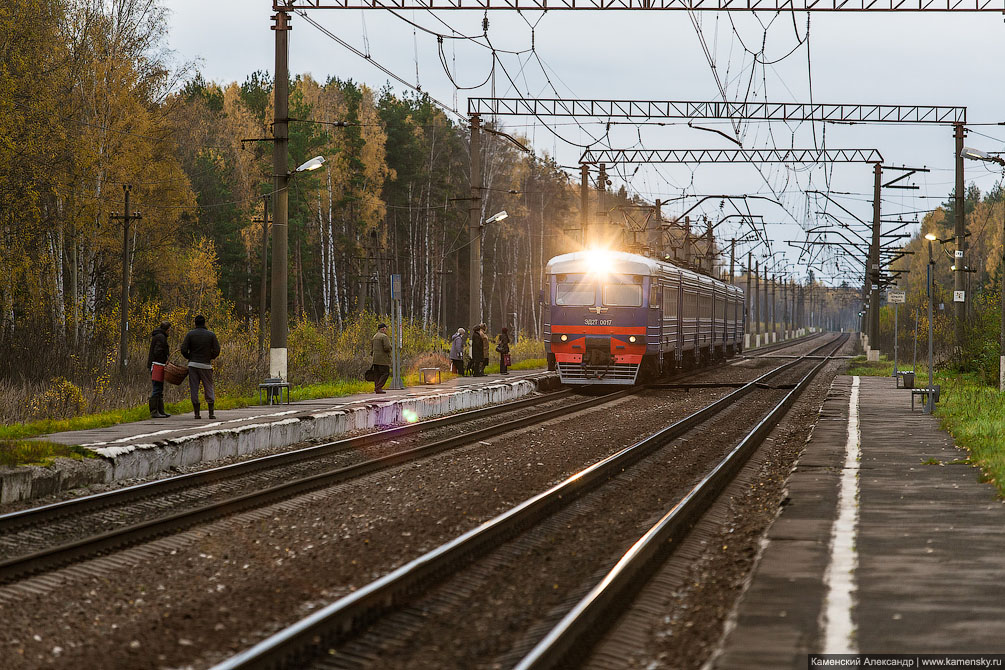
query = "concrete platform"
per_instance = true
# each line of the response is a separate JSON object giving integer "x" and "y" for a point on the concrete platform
{"x": 899, "y": 549}
{"x": 144, "y": 448}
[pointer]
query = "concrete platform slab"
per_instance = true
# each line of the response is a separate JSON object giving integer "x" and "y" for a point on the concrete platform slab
{"x": 928, "y": 541}
{"x": 140, "y": 449}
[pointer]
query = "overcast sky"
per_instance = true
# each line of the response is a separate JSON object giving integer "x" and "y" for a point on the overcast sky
{"x": 927, "y": 59}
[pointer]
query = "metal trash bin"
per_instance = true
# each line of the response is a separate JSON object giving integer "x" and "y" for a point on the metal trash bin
{"x": 908, "y": 380}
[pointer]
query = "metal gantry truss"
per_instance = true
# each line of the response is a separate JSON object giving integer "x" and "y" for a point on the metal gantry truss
{"x": 698, "y": 110}
{"x": 658, "y": 5}
{"x": 594, "y": 156}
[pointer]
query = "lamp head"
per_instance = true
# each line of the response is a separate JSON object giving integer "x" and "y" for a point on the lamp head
{"x": 974, "y": 154}
{"x": 930, "y": 237}
{"x": 312, "y": 164}
{"x": 497, "y": 217}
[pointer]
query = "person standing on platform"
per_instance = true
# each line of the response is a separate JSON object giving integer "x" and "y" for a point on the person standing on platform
{"x": 159, "y": 351}
{"x": 486, "y": 343}
{"x": 457, "y": 351}
{"x": 381, "y": 349}
{"x": 200, "y": 347}
{"x": 502, "y": 346}
{"x": 477, "y": 352}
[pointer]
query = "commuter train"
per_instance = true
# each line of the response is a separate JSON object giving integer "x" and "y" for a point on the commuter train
{"x": 619, "y": 318}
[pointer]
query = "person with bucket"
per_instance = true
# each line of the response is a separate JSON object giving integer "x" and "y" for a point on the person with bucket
{"x": 156, "y": 359}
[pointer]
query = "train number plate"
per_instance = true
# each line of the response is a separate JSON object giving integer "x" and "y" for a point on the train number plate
{"x": 598, "y": 322}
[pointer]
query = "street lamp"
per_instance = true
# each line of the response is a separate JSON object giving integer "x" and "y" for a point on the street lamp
{"x": 475, "y": 271}
{"x": 929, "y": 403}
{"x": 978, "y": 155}
{"x": 312, "y": 164}
{"x": 496, "y": 217}
{"x": 279, "y": 327}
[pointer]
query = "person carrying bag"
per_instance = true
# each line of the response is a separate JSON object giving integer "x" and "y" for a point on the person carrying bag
{"x": 503, "y": 349}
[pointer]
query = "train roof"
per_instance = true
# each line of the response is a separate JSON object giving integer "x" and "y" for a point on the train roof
{"x": 585, "y": 261}
{"x": 626, "y": 263}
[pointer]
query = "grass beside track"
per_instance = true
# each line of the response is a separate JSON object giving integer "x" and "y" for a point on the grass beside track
{"x": 19, "y": 432}
{"x": 973, "y": 413}
{"x": 38, "y": 452}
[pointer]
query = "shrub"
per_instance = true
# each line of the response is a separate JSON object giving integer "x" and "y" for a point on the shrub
{"x": 61, "y": 399}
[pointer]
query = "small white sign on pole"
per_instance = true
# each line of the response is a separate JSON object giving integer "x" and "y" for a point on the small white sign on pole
{"x": 896, "y": 297}
{"x": 959, "y": 296}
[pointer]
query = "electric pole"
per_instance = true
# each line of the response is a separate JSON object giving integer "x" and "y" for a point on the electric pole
{"x": 748, "y": 297}
{"x": 584, "y": 201}
{"x": 959, "y": 257}
{"x": 732, "y": 259}
{"x": 474, "y": 226}
{"x": 262, "y": 299}
{"x": 873, "y": 272}
{"x": 280, "y": 214}
{"x": 125, "y": 218}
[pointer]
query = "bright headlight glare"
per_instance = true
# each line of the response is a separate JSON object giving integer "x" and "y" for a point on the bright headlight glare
{"x": 565, "y": 337}
{"x": 631, "y": 339}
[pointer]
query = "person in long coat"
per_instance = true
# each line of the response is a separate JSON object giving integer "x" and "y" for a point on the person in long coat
{"x": 502, "y": 346}
{"x": 159, "y": 351}
{"x": 457, "y": 351}
{"x": 486, "y": 343}
{"x": 477, "y": 352}
{"x": 381, "y": 349}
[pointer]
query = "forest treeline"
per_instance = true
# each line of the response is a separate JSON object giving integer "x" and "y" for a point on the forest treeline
{"x": 91, "y": 101}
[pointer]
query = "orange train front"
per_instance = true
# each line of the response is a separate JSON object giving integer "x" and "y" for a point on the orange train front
{"x": 619, "y": 318}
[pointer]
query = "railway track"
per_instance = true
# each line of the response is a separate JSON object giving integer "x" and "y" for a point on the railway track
{"x": 47, "y": 537}
{"x": 380, "y": 619}
{"x": 43, "y": 538}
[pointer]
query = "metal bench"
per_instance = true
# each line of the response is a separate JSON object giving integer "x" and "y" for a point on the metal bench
{"x": 272, "y": 389}
{"x": 905, "y": 379}
{"x": 924, "y": 393}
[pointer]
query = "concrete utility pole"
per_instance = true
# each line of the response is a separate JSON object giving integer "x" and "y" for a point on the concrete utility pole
{"x": 474, "y": 226}
{"x": 774, "y": 307}
{"x": 961, "y": 240}
{"x": 584, "y": 201}
{"x": 873, "y": 272}
{"x": 757, "y": 298}
{"x": 732, "y": 259}
{"x": 125, "y": 218}
{"x": 262, "y": 300}
{"x": 785, "y": 308}
{"x": 280, "y": 214}
{"x": 748, "y": 297}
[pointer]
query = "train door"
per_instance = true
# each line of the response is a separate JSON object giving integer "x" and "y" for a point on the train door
{"x": 654, "y": 320}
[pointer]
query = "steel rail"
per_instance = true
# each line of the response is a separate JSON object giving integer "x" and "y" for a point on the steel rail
{"x": 92, "y": 503}
{"x": 47, "y": 559}
{"x": 293, "y": 645}
{"x": 572, "y": 637}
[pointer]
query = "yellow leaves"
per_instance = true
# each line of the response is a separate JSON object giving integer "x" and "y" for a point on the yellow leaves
{"x": 189, "y": 277}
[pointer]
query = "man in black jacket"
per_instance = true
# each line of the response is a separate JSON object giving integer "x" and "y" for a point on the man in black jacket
{"x": 159, "y": 351}
{"x": 200, "y": 348}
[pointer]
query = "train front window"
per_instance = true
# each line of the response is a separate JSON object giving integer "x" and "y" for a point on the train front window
{"x": 575, "y": 291}
{"x": 623, "y": 295}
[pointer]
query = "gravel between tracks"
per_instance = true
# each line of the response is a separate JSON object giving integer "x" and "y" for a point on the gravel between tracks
{"x": 240, "y": 582}
{"x": 710, "y": 573}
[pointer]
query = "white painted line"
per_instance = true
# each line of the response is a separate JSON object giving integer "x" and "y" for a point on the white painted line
{"x": 837, "y": 625}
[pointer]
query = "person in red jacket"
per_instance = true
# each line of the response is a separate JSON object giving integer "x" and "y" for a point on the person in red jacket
{"x": 159, "y": 351}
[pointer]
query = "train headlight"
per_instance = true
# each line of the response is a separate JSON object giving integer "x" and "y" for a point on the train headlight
{"x": 565, "y": 338}
{"x": 632, "y": 339}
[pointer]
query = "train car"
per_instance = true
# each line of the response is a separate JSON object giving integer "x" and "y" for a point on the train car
{"x": 618, "y": 318}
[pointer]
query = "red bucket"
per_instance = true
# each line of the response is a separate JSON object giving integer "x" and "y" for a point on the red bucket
{"x": 157, "y": 372}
